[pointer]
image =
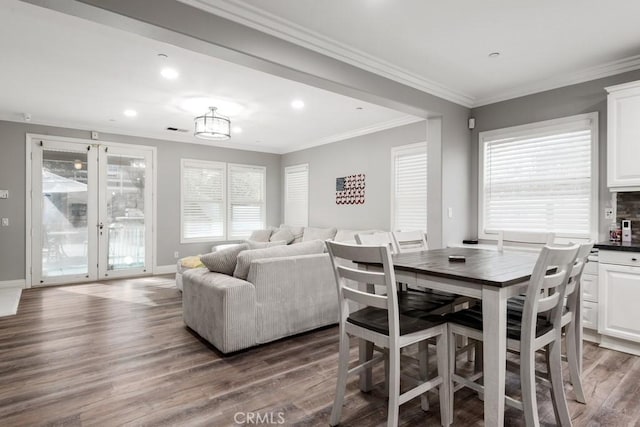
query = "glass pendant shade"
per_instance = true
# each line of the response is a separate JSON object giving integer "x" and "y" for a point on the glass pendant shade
{"x": 213, "y": 126}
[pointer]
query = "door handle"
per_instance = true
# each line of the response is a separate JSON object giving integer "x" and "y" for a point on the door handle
{"x": 100, "y": 226}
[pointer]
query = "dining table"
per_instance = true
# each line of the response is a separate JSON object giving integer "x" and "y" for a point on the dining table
{"x": 487, "y": 275}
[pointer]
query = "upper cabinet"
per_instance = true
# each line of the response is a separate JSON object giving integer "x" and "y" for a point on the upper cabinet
{"x": 623, "y": 137}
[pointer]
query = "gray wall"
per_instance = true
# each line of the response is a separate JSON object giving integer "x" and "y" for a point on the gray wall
{"x": 13, "y": 176}
{"x": 566, "y": 101}
{"x": 371, "y": 154}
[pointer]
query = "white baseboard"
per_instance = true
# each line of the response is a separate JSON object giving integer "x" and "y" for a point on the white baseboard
{"x": 19, "y": 283}
{"x": 164, "y": 269}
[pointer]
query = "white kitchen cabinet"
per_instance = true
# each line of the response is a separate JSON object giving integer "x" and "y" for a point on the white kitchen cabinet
{"x": 619, "y": 305}
{"x": 623, "y": 137}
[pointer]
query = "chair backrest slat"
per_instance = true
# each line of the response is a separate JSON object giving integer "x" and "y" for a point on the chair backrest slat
{"x": 377, "y": 239}
{"x": 410, "y": 241}
{"x": 362, "y": 276}
{"x": 365, "y": 298}
{"x": 525, "y": 238}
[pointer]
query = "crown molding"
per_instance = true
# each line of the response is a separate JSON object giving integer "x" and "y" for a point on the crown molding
{"x": 604, "y": 70}
{"x": 158, "y": 135}
{"x": 401, "y": 121}
{"x": 276, "y": 26}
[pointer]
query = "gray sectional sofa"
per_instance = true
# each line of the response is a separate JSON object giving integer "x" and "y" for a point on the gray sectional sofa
{"x": 287, "y": 290}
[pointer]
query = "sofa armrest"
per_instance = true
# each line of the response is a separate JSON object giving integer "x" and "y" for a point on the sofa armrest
{"x": 220, "y": 308}
{"x": 293, "y": 294}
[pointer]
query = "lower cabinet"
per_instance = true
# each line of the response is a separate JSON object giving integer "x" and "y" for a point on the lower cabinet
{"x": 619, "y": 301}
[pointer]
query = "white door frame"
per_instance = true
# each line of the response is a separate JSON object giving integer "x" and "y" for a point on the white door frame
{"x": 30, "y": 138}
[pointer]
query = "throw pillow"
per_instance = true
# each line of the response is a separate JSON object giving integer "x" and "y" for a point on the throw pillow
{"x": 283, "y": 234}
{"x": 296, "y": 231}
{"x": 191, "y": 262}
{"x": 261, "y": 235}
{"x": 245, "y": 258}
{"x": 311, "y": 233}
{"x": 262, "y": 245}
{"x": 223, "y": 261}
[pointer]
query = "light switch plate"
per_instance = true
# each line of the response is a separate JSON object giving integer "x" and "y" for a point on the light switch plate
{"x": 4, "y": 194}
{"x": 5, "y": 222}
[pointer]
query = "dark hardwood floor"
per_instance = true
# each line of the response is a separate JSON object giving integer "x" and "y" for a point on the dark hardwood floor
{"x": 117, "y": 353}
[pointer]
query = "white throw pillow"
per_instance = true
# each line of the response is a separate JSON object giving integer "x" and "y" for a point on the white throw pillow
{"x": 296, "y": 231}
{"x": 283, "y": 234}
{"x": 312, "y": 233}
{"x": 261, "y": 235}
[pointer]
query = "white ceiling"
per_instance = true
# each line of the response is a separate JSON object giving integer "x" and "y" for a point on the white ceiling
{"x": 70, "y": 72}
{"x": 442, "y": 47}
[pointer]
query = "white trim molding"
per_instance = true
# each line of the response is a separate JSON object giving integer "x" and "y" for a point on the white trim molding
{"x": 19, "y": 283}
{"x": 284, "y": 29}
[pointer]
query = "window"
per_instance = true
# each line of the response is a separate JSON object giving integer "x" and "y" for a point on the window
{"x": 296, "y": 195}
{"x": 409, "y": 187}
{"x": 246, "y": 200}
{"x": 540, "y": 177}
{"x": 203, "y": 200}
{"x": 213, "y": 210}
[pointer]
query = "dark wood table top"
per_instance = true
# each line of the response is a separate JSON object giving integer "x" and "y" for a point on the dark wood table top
{"x": 482, "y": 266}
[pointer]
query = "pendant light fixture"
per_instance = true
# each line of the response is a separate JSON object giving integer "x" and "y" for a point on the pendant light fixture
{"x": 212, "y": 126}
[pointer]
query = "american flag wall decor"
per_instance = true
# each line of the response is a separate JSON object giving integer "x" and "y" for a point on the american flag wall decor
{"x": 350, "y": 190}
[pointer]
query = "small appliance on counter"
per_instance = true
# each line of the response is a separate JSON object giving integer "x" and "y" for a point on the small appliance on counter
{"x": 626, "y": 230}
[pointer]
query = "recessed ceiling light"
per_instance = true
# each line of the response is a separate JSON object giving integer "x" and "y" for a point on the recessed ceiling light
{"x": 169, "y": 73}
{"x": 297, "y": 104}
{"x": 494, "y": 54}
{"x": 130, "y": 113}
{"x": 237, "y": 129}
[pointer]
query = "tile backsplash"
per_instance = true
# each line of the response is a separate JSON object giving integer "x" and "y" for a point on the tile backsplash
{"x": 628, "y": 207}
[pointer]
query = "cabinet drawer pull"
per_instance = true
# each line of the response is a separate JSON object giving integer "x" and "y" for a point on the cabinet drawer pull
{"x": 634, "y": 259}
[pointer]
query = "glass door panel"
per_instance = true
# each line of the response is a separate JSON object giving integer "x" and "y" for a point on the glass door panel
{"x": 63, "y": 213}
{"x": 125, "y": 212}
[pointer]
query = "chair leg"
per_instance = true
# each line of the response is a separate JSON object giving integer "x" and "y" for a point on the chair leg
{"x": 423, "y": 360}
{"x": 394, "y": 387}
{"x": 442, "y": 350}
{"x": 557, "y": 385}
{"x": 572, "y": 344}
{"x": 366, "y": 354}
{"x": 451, "y": 343}
{"x": 528, "y": 384}
{"x": 478, "y": 362}
{"x": 343, "y": 367}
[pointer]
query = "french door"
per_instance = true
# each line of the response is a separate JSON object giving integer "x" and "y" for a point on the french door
{"x": 91, "y": 210}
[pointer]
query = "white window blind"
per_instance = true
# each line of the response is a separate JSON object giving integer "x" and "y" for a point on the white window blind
{"x": 539, "y": 179}
{"x": 203, "y": 200}
{"x": 409, "y": 187}
{"x": 246, "y": 200}
{"x": 296, "y": 195}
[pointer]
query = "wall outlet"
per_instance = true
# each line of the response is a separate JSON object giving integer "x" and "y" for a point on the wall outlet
{"x": 5, "y": 222}
{"x": 4, "y": 194}
{"x": 608, "y": 213}
{"x": 176, "y": 254}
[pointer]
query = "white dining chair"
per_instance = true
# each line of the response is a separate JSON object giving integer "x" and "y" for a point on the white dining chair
{"x": 382, "y": 324}
{"x": 537, "y": 326}
{"x": 524, "y": 238}
{"x": 409, "y": 241}
{"x": 377, "y": 238}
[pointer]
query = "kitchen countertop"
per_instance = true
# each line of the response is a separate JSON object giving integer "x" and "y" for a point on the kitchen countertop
{"x": 633, "y": 246}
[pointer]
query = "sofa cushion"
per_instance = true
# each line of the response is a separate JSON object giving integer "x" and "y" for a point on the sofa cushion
{"x": 224, "y": 260}
{"x": 296, "y": 231}
{"x": 312, "y": 233}
{"x": 261, "y": 235}
{"x": 262, "y": 245}
{"x": 245, "y": 257}
{"x": 282, "y": 234}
